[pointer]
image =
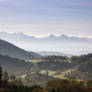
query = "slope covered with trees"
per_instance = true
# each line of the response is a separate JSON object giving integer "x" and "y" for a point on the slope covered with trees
{"x": 13, "y": 66}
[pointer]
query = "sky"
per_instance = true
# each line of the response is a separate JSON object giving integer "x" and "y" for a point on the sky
{"x": 44, "y": 17}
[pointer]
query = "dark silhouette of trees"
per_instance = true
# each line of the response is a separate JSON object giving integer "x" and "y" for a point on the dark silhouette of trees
{"x": 5, "y": 79}
{"x": 89, "y": 83}
{"x": 67, "y": 86}
{"x": 1, "y": 75}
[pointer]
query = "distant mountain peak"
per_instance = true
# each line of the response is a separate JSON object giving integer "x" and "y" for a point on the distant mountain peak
{"x": 20, "y": 33}
{"x": 64, "y": 36}
{"x": 51, "y": 36}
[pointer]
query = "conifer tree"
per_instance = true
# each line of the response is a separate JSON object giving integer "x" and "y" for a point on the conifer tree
{"x": 1, "y": 75}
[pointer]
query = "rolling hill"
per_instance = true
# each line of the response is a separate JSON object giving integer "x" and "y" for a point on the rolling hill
{"x": 11, "y": 50}
{"x": 12, "y": 65}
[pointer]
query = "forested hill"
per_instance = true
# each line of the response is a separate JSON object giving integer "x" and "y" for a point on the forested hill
{"x": 12, "y": 65}
{"x": 11, "y": 50}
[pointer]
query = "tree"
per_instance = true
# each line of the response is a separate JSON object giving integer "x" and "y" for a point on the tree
{"x": 5, "y": 79}
{"x": 53, "y": 90}
{"x": 89, "y": 83}
{"x": 12, "y": 81}
{"x": 15, "y": 82}
{"x": 19, "y": 82}
{"x": 1, "y": 75}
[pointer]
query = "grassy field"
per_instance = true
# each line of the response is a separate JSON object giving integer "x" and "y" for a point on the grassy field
{"x": 34, "y": 61}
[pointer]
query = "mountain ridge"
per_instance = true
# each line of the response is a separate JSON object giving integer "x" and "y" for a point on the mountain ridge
{"x": 63, "y": 43}
{"x": 23, "y": 38}
{"x": 11, "y": 50}
{"x": 50, "y": 36}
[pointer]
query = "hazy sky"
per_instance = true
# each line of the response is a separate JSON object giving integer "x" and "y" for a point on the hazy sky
{"x": 44, "y": 17}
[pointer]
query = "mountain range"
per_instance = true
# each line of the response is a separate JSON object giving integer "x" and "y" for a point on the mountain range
{"x": 52, "y": 43}
{"x": 21, "y": 37}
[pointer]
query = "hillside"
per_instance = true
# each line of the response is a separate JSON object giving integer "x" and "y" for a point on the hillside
{"x": 54, "y": 66}
{"x": 12, "y": 65}
{"x": 58, "y": 66}
{"x": 83, "y": 66}
{"x": 11, "y": 50}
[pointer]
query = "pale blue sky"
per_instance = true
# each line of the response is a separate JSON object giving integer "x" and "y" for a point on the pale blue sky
{"x": 44, "y": 17}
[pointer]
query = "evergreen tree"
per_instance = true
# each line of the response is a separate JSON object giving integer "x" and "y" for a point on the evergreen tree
{"x": 53, "y": 90}
{"x": 1, "y": 75}
{"x": 5, "y": 79}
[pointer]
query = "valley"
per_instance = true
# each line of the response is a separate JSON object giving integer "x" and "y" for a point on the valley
{"x": 58, "y": 67}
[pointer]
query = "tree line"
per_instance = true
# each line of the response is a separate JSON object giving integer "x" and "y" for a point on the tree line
{"x": 14, "y": 84}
